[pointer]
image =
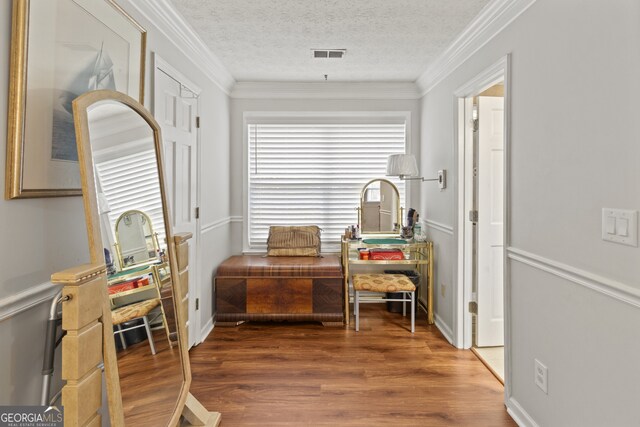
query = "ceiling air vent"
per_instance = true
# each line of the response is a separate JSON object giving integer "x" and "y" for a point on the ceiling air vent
{"x": 329, "y": 53}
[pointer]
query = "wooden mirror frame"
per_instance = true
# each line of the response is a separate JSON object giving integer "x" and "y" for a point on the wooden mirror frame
{"x": 398, "y": 208}
{"x": 86, "y": 313}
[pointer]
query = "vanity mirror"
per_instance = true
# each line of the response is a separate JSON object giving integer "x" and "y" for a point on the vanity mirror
{"x": 379, "y": 211}
{"x": 126, "y": 211}
{"x": 136, "y": 241}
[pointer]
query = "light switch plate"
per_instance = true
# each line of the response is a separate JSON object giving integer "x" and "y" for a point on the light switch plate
{"x": 620, "y": 226}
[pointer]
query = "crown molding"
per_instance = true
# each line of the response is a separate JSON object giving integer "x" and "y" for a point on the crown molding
{"x": 163, "y": 15}
{"x": 484, "y": 27}
{"x": 326, "y": 90}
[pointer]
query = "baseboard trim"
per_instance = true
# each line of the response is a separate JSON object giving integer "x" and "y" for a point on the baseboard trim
{"x": 519, "y": 415}
{"x": 22, "y": 301}
{"x": 444, "y": 328}
{"x": 439, "y": 226}
{"x": 206, "y": 330}
{"x": 608, "y": 287}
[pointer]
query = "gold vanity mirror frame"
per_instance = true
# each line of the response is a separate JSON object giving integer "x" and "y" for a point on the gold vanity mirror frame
{"x": 152, "y": 236}
{"x": 397, "y": 210}
{"x": 81, "y": 107}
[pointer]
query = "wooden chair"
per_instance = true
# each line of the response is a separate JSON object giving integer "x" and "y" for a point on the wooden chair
{"x": 383, "y": 283}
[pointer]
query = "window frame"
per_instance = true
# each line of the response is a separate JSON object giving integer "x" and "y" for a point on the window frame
{"x": 321, "y": 117}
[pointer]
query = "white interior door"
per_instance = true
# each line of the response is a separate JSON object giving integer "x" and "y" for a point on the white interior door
{"x": 176, "y": 111}
{"x": 490, "y": 201}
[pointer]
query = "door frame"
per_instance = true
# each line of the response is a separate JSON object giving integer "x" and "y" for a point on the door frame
{"x": 160, "y": 65}
{"x": 463, "y": 233}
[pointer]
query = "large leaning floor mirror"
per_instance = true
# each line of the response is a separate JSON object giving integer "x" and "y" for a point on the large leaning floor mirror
{"x": 145, "y": 355}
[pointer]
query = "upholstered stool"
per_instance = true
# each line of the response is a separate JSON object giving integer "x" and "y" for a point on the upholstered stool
{"x": 131, "y": 312}
{"x": 383, "y": 283}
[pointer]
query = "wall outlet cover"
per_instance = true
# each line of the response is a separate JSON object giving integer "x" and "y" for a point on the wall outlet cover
{"x": 540, "y": 376}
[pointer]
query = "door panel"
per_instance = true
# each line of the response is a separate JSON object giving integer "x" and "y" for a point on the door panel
{"x": 179, "y": 134}
{"x": 490, "y": 248}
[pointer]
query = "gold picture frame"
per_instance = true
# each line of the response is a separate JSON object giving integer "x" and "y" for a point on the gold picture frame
{"x": 59, "y": 50}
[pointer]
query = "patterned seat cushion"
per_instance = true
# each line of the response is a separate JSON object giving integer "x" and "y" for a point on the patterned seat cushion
{"x": 383, "y": 283}
{"x": 133, "y": 311}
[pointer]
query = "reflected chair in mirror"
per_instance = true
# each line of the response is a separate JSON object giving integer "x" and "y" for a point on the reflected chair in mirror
{"x": 375, "y": 288}
{"x": 132, "y": 312}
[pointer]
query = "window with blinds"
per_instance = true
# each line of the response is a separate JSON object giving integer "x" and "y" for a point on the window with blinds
{"x": 131, "y": 182}
{"x": 302, "y": 174}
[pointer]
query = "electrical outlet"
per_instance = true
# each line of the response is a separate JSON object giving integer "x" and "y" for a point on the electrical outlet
{"x": 443, "y": 288}
{"x": 540, "y": 375}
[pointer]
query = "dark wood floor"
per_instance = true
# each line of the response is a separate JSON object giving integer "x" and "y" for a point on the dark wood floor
{"x": 150, "y": 384}
{"x": 304, "y": 374}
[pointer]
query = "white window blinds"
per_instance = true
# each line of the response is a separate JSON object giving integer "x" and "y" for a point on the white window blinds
{"x": 301, "y": 174}
{"x": 131, "y": 182}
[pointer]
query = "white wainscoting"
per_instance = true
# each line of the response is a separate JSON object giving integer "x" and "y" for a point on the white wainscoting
{"x": 27, "y": 299}
{"x": 219, "y": 223}
{"x": 608, "y": 287}
{"x": 439, "y": 226}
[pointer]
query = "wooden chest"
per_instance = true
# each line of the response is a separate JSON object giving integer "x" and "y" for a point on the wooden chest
{"x": 254, "y": 287}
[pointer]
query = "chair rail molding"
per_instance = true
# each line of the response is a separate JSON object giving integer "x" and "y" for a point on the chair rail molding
{"x": 608, "y": 287}
{"x": 490, "y": 22}
{"x": 326, "y": 90}
{"x": 164, "y": 16}
{"x": 22, "y": 301}
{"x": 447, "y": 229}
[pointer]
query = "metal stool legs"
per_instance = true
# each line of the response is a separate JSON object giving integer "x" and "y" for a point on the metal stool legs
{"x": 356, "y": 310}
{"x": 149, "y": 336}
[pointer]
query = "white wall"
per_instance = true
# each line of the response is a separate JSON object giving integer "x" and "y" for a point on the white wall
{"x": 574, "y": 150}
{"x": 240, "y": 106}
{"x": 42, "y": 236}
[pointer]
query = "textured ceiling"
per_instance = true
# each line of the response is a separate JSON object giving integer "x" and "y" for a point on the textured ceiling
{"x": 386, "y": 40}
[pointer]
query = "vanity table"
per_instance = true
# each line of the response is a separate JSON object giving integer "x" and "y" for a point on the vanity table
{"x": 417, "y": 254}
{"x": 141, "y": 283}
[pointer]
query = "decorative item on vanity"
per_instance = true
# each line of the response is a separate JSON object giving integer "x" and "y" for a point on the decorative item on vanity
{"x": 138, "y": 392}
{"x": 59, "y": 50}
{"x": 405, "y": 167}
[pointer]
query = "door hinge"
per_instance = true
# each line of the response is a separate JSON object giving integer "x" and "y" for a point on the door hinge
{"x": 198, "y": 122}
{"x": 473, "y": 307}
{"x": 198, "y": 213}
{"x": 197, "y": 304}
{"x": 476, "y": 125}
{"x": 473, "y": 216}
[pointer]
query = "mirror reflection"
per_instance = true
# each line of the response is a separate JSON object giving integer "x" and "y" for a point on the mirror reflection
{"x": 380, "y": 207}
{"x": 139, "y": 276}
{"x": 136, "y": 242}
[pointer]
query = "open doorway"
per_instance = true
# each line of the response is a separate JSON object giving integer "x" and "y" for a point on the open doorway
{"x": 482, "y": 219}
{"x": 487, "y": 220}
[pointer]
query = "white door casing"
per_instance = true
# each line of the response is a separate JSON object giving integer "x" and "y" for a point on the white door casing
{"x": 490, "y": 202}
{"x": 176, "y": 109}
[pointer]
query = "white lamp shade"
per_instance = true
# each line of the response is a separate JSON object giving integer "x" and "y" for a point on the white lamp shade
{"x": 402, "y": 165}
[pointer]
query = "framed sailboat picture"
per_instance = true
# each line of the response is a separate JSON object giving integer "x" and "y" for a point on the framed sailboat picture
{"x": 59, "y": 50}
